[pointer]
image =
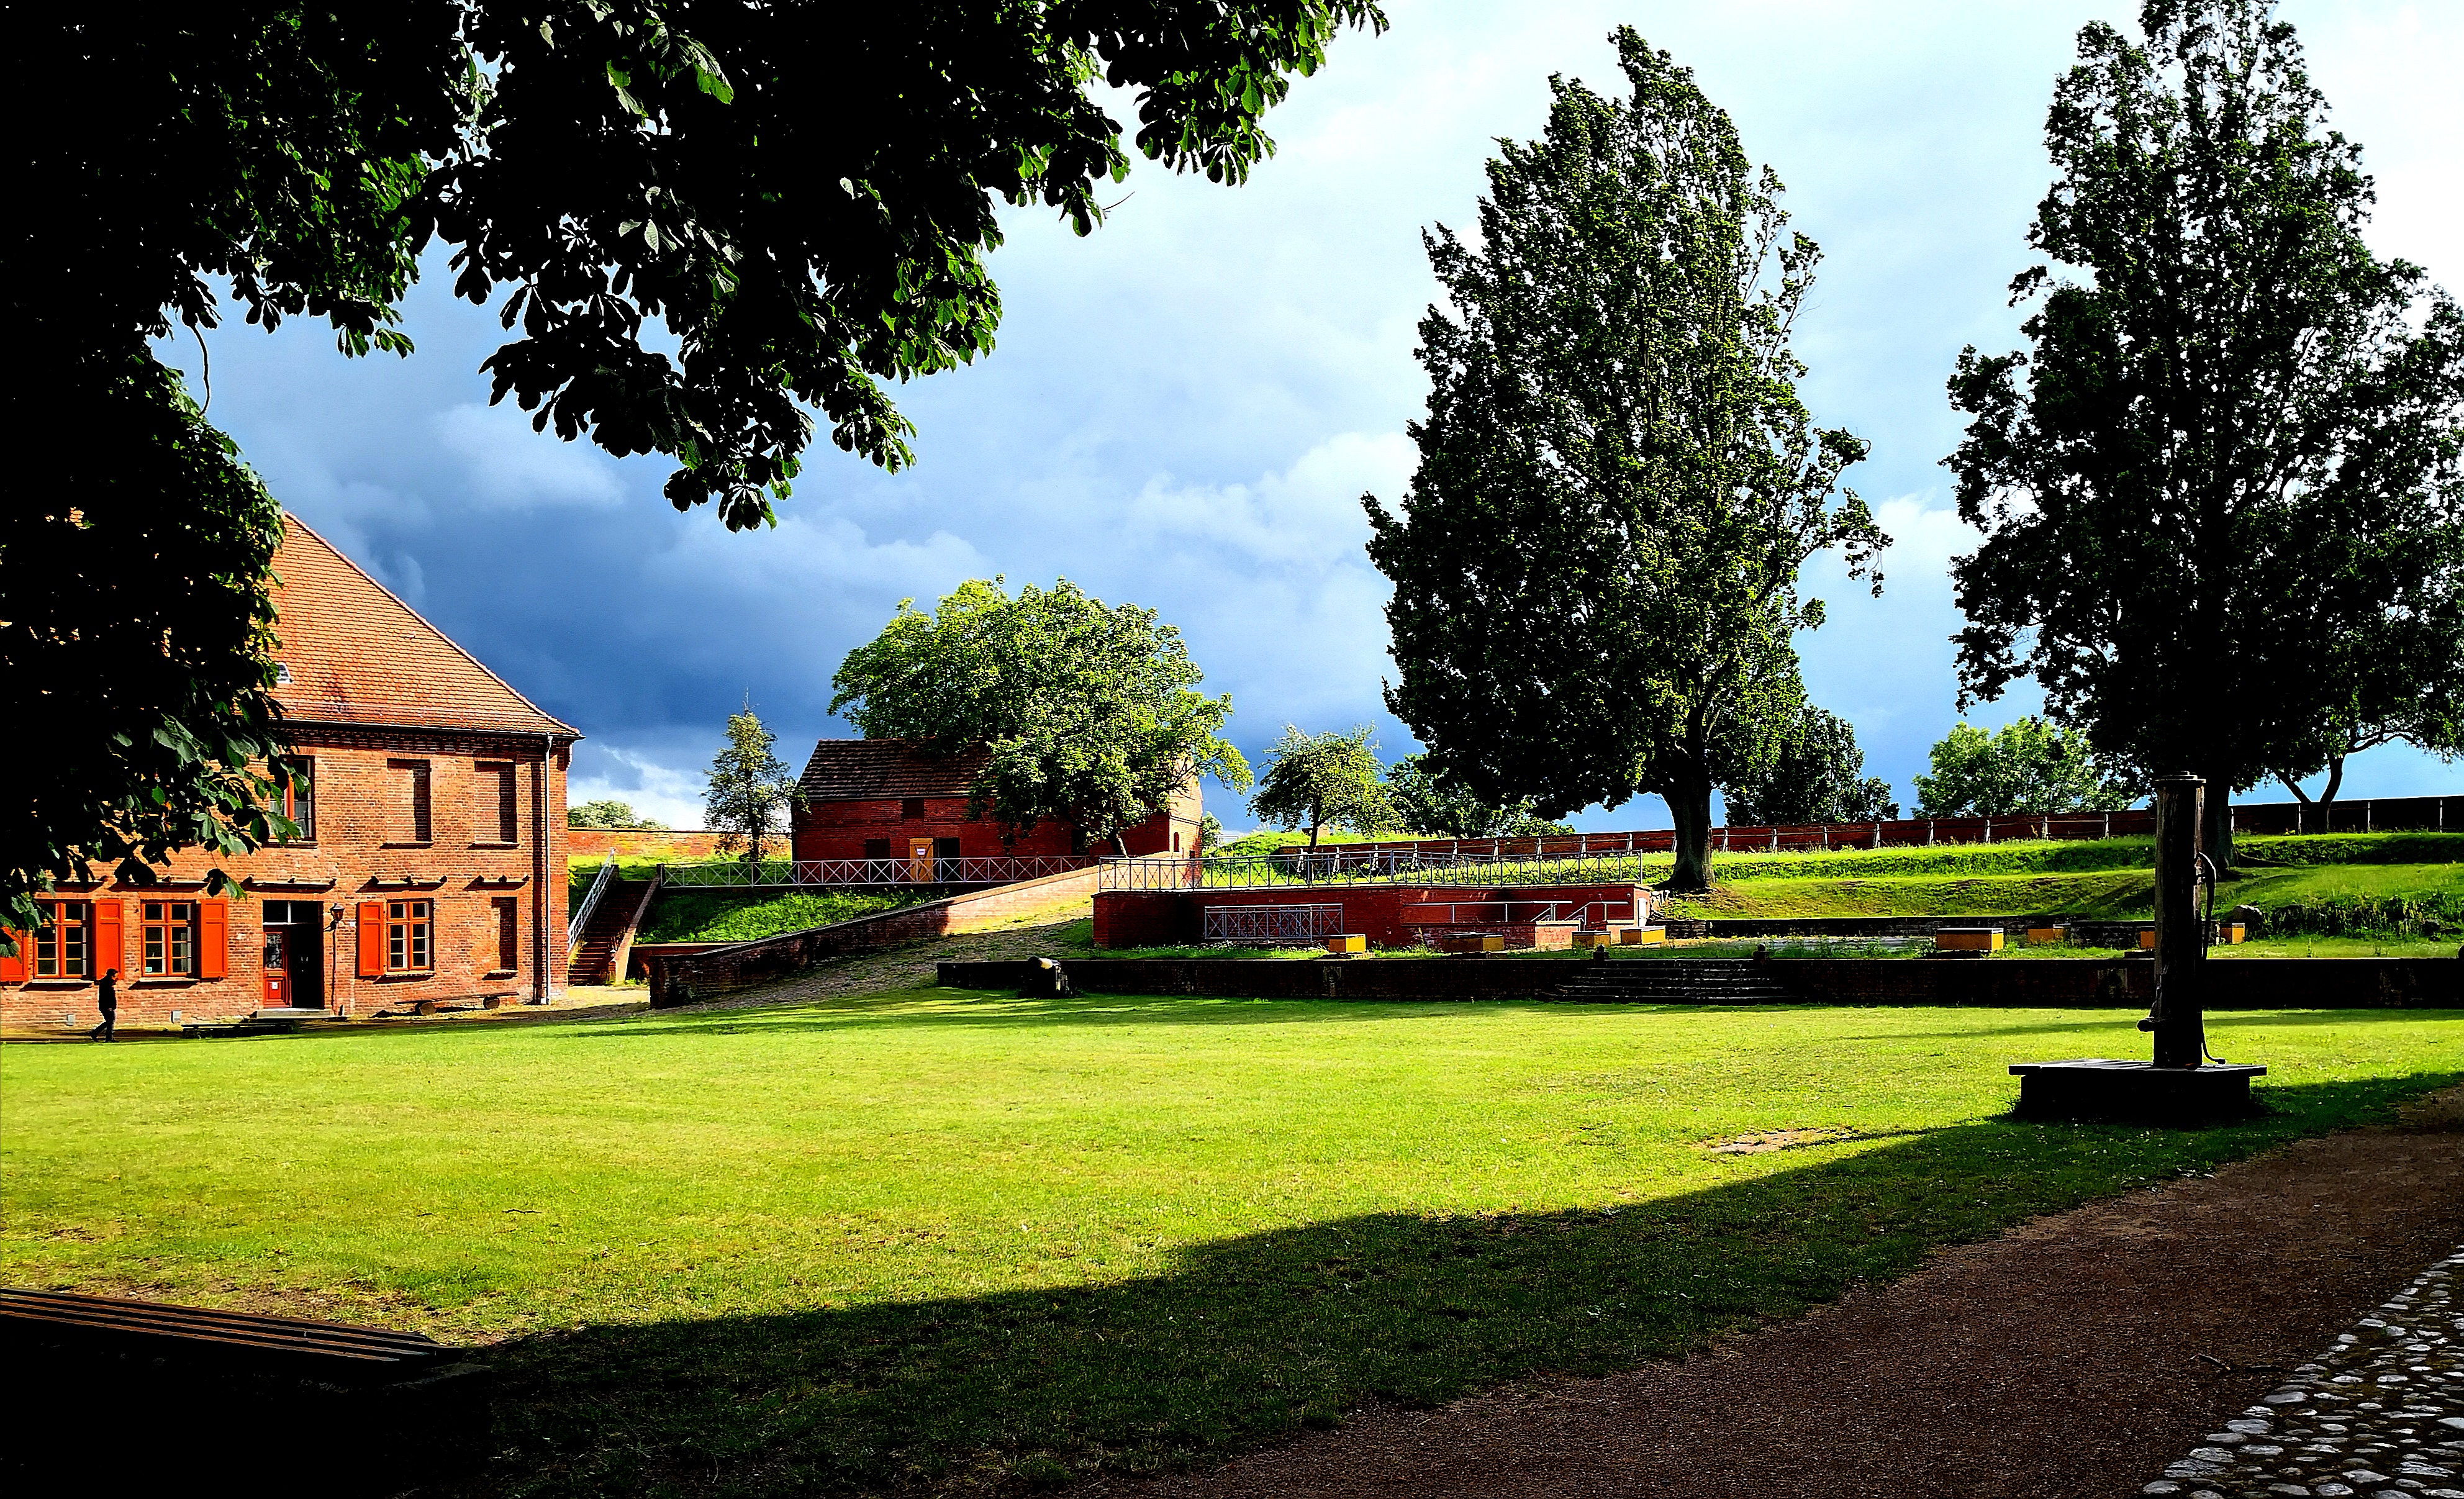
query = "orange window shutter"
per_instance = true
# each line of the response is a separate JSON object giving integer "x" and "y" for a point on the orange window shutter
{"x": 13, "y": 965}
{"x": 213, "y": 939}
{"x": 372, "y": 939}
{"x": 108, "y": 951}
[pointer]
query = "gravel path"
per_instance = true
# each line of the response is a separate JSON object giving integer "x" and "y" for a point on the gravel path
{"x": 2074, "y": 1356}
{"x": 2382, "y": 1413}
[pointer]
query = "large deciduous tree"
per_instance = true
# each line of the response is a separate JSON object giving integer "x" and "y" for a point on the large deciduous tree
{"x": 1817, "y": 776}
{"x": 698, "y": 219}
{"x": 1090, "y": 713}
{"x": 2026, "y": 766}
{"x": 1429, "y": 802}
{"x": 2229, "y": 460}
{"x": 1596, "y": 568}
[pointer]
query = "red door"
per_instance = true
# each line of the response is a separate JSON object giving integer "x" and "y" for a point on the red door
{"x": 277, "y": 968}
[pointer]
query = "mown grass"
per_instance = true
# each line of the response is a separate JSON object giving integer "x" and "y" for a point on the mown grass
{"x": 949, "y": 1241}
{"x": 2110, "y": 879}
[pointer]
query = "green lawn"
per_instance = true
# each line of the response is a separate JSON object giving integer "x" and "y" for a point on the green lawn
{"x": 937, "y": 1239}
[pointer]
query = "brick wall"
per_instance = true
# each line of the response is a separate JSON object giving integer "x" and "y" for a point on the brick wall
{"x": 839, "y": 830}
{"x": 1165, "y": 919}
{"x": 672, "y": 844}
{"x": 2036, "y": 983}
{"x": 687, "y": 979}
{"x": 363, "y": 852}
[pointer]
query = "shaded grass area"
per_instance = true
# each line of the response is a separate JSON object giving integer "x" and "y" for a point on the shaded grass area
{"x": 945, "y": 1241}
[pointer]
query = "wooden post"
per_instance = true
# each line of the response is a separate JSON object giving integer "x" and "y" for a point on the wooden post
{"x": 2181, "y": 949}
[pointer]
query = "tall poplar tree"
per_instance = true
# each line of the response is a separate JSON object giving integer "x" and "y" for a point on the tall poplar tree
{"x": 2226, "y": 475}
{"x": 1596, "y": 568}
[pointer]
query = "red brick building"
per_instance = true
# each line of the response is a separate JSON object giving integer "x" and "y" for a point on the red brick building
{"x": 429, "y": 864}
{"x": 886, "y": 798}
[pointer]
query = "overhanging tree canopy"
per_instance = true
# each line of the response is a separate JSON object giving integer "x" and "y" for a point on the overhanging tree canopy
{"x": 796, "y": 198}
{"x": 1595, "y": 569}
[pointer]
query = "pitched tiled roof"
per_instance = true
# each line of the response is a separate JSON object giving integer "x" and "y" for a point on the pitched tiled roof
{"x": 873, "y": 770}
{"x": 351, "y": 653}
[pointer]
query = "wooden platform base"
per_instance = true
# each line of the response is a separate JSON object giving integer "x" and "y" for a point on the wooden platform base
{"x": 2102, "y": 1088}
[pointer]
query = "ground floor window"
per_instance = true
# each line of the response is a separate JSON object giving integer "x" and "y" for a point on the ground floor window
{"x": 64, "y": 944}
{"x": 170, "y": 939}
{"x": 411, "y": 935}
{"x": 509, "y": 924}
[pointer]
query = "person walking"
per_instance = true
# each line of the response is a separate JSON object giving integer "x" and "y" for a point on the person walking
{"x": 107, "y": 1000}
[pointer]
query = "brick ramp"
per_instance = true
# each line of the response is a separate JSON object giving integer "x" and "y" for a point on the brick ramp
{"x": 699, "y": 978}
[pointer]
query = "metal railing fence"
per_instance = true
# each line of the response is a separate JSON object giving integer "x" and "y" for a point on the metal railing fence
{"x": 1322, "y": 868}
{"x": 591, "y": 901}
{"x": 971, "y": 870}
{"x": 1272, "y": 923}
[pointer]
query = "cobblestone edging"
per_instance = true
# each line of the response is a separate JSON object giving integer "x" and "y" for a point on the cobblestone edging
{"x": 2381, "y": 1415}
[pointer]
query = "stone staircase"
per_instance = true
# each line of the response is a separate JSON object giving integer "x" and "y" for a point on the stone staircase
{"x": 1675, "y": 981}
{"x": 593, "y": 956}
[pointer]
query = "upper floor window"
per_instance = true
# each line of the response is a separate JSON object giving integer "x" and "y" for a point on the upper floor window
{"x": 170, "y": 939}
{"x": 494, "y": 812}
{"x": 912, "y": 808}
{"x": 298, "y": 802}
{"x": 64, "y": 944}
{"x": 407, "y": 785}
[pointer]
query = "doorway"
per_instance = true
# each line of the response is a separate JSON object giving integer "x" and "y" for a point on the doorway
{"x": 295, "y": 951}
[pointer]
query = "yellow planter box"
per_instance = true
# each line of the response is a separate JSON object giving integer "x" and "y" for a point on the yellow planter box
{"x": 2148, "y": 941}
{"x": 2042, "y": 936}
{"x": 2231, "y": 933}
{"x": 1641, "y": 936}
{"x": 1596, "y": 939}
{"x": 1968, "y": 939}
{"x": 1349, "y": 942}
{"x": 1473, "y": 943}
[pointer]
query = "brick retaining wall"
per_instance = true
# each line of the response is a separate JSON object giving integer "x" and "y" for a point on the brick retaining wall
{"x": 672, "y": 844}
{"x": 1170, "y": 917}
{"x": 687, "y": 979}
{"x": 2047, "y": 983}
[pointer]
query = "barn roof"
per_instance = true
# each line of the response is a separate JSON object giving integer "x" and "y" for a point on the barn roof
{"x": 875, "y": 770}
{"x": 351, "y": 653}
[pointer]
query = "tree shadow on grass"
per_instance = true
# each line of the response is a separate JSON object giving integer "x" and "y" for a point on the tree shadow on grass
{"x": 2124, "y": 1021}
{"x": 1244, "y": 1340}
{"x": 998, "y": 1009}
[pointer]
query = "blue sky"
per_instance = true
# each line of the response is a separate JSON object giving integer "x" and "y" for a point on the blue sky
{"x": 1184, "y": 407}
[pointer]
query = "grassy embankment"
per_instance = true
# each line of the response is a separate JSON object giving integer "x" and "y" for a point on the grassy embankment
{"x": 722, "y": 916}
{"x": 936, "y": 1241}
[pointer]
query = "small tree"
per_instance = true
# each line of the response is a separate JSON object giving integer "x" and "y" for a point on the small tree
{"x": 750, "y": 787}
{"x": 1596, "y": 568}
{"x": 1312, "y": 780}
{"x": 1433, "y": 805}
{"x": 1818, "y": 776}
{"x": 618, "y": 815}
{"x": 2025, "y": 766}
{"x": 1089, "y": 712}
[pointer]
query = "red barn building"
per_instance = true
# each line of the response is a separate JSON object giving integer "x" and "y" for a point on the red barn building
{"x": 888, "y": 799}
{"x": 429, "y": 864}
